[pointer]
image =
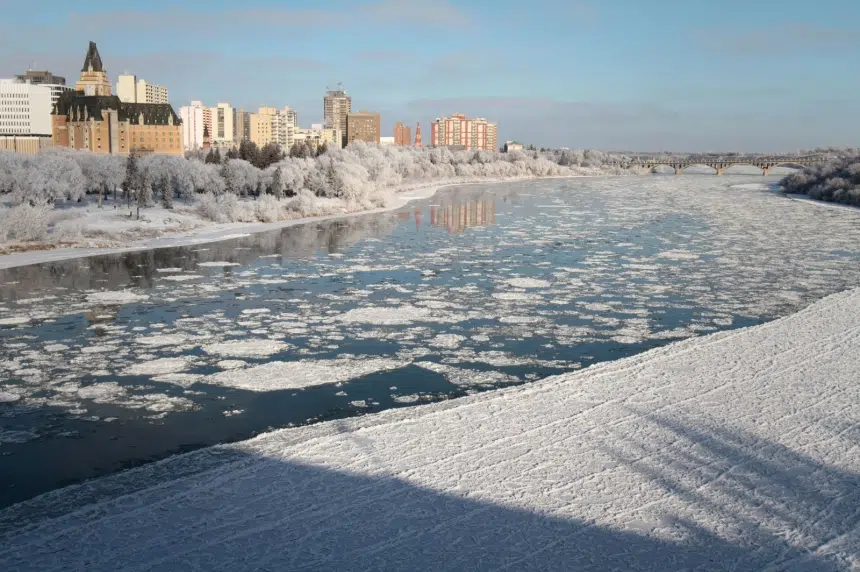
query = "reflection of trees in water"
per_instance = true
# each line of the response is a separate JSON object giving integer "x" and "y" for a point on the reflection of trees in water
{"x": 140, "y": 269}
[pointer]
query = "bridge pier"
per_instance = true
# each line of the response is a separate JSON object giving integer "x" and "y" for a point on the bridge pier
{"x": 679, "y": 170}
{"x": 720, "y": 170}
{"x": 765, "y": 171}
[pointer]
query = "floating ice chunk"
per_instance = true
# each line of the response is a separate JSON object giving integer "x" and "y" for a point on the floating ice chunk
{"x": 99, "y": 349}
{"x": 678, "y": 255}
{"x": 520, "y": 319}
{"x": 165, "y": 270}
{"x": 159, "y": 366}
{"x": 447, "y": 341}
{"x": 161, "y": 340}
{"x": 385, "y": 316}
{"x": 14, "y": 321}
{"x": 278, "y": 375}
{"x": 405, "y": 398}
{"x": 527, "y": 283}
{"x": 183, "y": 277}
{"x": 233, "y": 412}
{"x": 465, "y": 377}
{"x": 120, "y": 297}
{"x": 102, "y": 392}
{"x": 160, "y": 403}
{"x": 515, "y": 296}
{"x": 358, "y": 403}
{"x": 247, "y": 348}
{"x": 180, "y": 379}
{"x": 232, "y": 236}
{"x": 217, "y": 264}
{"x": 231, "y": 364}
{"x": 9, "y": 397}
{"x": 256, "y": 311}
{"x": 53, "y": 348}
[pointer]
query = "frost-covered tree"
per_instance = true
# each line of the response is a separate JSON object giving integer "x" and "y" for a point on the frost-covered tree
{"x": 131, "y": 183}
{"x": 837, "y": 180}
{"x": 278, "y": 183}
{"x": 144, "y": 194}
{"x": 166, "y": 189}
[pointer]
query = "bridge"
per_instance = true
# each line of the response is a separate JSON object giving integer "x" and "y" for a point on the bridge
{"x": 720, "y": 164}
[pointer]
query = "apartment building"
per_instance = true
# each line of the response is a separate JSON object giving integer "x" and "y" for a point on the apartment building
{"x": 337, "y": 105}
{"x": 364, "y": 126}
{"x": 192, "y": 125}
{"x": 459, "y": 131}
{"x": 402, "y": 134}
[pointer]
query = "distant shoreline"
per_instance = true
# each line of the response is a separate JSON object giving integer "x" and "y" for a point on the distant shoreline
{"x": 215, "y": 232}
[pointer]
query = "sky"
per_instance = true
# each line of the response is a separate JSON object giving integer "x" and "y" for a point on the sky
{"x": 639, "y": 75}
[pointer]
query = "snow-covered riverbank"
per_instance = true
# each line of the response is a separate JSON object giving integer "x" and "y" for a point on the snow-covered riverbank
{"x": 733, "y": 451}
{"x": 167, "y": 228}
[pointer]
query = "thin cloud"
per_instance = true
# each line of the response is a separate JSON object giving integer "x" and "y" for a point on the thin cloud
{"x": 384, "y": 56}
{"x": 782, "y": 39}
{"x": 382, "y": 13}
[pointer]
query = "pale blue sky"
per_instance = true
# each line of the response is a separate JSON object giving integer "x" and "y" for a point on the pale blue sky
{"x": 751, "y": 75}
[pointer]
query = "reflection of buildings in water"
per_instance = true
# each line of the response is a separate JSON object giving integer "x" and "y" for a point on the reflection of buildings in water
{"x": 417, "y": 219}
{"x": 459, "y": 216}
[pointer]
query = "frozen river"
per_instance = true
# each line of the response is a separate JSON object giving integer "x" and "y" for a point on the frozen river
{"x": 113, "y": 361}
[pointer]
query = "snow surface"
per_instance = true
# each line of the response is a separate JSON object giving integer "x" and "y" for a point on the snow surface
{"x": 734, "y": 451}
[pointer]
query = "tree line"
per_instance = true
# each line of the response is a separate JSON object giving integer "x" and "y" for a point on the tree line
{"x": 835, "y": 181}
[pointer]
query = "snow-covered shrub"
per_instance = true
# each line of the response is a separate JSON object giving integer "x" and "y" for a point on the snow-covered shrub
{"x": 268, "y": 209}
{"x": 26, "y": 222}
{"x": 304, "y": 203}
{"x": 209, "y": 207}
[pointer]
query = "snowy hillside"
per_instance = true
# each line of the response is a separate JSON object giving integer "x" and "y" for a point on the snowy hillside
{"x": 737, "y": 451}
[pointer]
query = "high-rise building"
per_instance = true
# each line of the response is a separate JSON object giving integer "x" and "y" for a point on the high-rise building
{"x": 222, "y": 126}
{"x": 363, "y": 126}
{"x": 130, "y": 89}
{"x": 337, "y": 105}
{"x": 150, "y": 92}
{"x": 270, "y": 125}
{"x": 418, "y": 135}
{"x": 291, "y": 116}
{"x": 90, "y": 118}
{"x": 207, "y": 121}
{"x": 25, "y": 116}
{"x": 192, "y": 125}
{"x": 462, "y": 132}
{"x": 126, "y": 88}
{"x": 402, "y": 135}
{"x": 56, "y": 83}
{"x": 264, "y": 126}
{"x": 241, "y": 126}
{"x": 39, "y": 77}
{"x": 93, "y": 80}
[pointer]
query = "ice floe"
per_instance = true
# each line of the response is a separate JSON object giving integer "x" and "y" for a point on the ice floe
{"x": 278, "y": 375}
{"x": 247, "y": 348}
{"x": 117, "y": 297}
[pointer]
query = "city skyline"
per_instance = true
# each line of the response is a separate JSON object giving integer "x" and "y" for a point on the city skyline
{"x": 669, "y": 76}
